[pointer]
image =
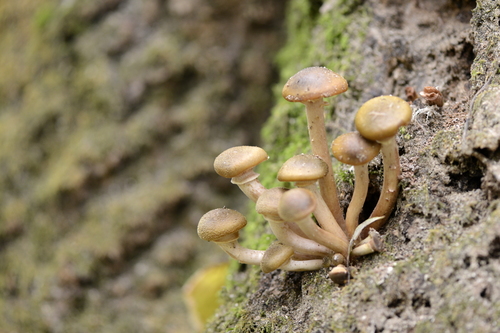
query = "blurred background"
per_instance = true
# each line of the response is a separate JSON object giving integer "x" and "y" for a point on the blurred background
{"x": 111, "y": 113}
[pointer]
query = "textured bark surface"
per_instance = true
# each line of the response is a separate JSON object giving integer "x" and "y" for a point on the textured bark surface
{"x": 441, "y": 265}
{"x": 111, "y": 113}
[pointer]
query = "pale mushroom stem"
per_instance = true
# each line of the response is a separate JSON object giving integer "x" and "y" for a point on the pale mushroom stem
{"x": 390, "y": 187}
{"x": 242, "y": 254}
{"x": 254, "y": 257}
{"x": 323, "y": 237}
{"x": 317, "y": 136}
{"x": 249, "y": 184}
{"x": 361, "y": 181}
{"x": 300, "y": 244}
{"x": 323, "y": 214}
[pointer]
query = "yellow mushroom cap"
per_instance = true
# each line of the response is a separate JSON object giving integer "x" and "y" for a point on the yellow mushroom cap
{"x": 296, "y": 204}
{"x": 313, "y": 83}
{"x": 221, "y": 225}
{"x": 268, "y": 202}
{"x": 353, "y": 149}
{"x": 236, "y": 160}
{"x": 380, "y": 118}
{"x": 276, "y": 255}
{"x": 302, "y": 168}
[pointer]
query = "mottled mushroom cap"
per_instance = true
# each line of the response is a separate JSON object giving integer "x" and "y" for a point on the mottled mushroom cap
{"x": 353, "y": 149}
{"x": 313, "y": 83}
{"x": 296, "y": 204}
{"x": 268, "y": 202}
{"x": 221, "y": 225}
{"x": 302, "y": 168}
{"x": 380, "y": 118}
{"x": 275, "y": 256}
{"x": 236, "y": 160}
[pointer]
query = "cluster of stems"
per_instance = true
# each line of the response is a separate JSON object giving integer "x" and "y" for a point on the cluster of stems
{"x": 309, "y": 224}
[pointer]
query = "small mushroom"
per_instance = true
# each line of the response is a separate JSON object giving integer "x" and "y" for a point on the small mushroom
{"x": 297, "y": 205}
{"x": 379, "y": 120}
{"x": 237, "y": 163}
{"x": 339, "y": 274}
{"x": 279, "y": 256}
{"x": 309, "y": 86}
{"x": 372, "y": 243}
{"x": 353, "y": 149}
{"x": 222, "y": 226}
{"x": 305, "y": 170}
{"x": 267, "y": 206}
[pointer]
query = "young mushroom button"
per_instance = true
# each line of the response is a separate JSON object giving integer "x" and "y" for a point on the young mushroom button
{"x": 379, "y": 120}
{"x": 305, "y": 170}
{"x": 309, "y": 86}
{"x": 267, "y": 206}
{"x": 297, "y": 205}
{"x": 222, "y": 226}
{"x": 353, "y": 149}
{"x": 237, "y": 163}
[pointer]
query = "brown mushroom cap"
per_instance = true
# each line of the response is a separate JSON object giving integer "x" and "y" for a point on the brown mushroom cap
{"x": 353, "y": 149}
{"x": 276, "y": 255}
{"x": 302, "y": 168}
{"x": 221, "y": 225}
{"x": 296, "y": 204}
{"x": 313, "y": 83}
{"x": 236, "y": 160}
{"x": 380, "y": 118}
{"x": 268, "y": 202}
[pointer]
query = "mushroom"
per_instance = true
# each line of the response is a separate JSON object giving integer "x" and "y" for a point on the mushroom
{"x": 339, "y": 274}
{"x": 309, "y": 86}
{"x": 305, "y": 170}
{"x": 372, "y": 243}
{"x": 296, "y": 205}
{"x": 353, "y": 149}
{"x": 279, "y": 255}
{"x": 379, "y": 120}
{"x": 267, "y": 206}
{"x": 222, "y": 226}
{"x": 237, "y": 163}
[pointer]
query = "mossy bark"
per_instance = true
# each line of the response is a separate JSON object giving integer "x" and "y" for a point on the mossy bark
{"x": 442, "y": 257}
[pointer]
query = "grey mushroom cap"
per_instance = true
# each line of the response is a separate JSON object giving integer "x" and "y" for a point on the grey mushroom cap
{"x": 276, "y": 255}
{"x": 296, "y": 204}
{"x": 380, "y": 118}
{"x": 313, "y": 83}
{"x": 268, "y": 202}
{"x": 302, "y": 168}
{"x": 354, "y": 149}
{"x": 236, "y": 160}
{"x": 221, "y": 225}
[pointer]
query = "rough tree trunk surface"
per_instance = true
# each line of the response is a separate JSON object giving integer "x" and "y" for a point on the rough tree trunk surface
{"x": 441, "y": 266}
{"x": 112, "y": 111}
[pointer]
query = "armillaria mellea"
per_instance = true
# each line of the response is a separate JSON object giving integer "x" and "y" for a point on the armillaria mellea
{"x": 308, "y": 222}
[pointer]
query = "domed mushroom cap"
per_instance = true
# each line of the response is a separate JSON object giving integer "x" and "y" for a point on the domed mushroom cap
{"x": 276, "y": 255}
{"x": 296, "y": 204}
{"x": 380, "y": 117}
{"x": 236, "y": 160}
{"x": 313, "y": 83}
{"x": 221, "y": 225}
{"x": 268, "y": 202}
{"x": 353, "y": 149}
{"x": 302, "y": 168}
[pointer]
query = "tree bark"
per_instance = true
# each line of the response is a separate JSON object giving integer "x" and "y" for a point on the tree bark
{"x": 441, "y": 265}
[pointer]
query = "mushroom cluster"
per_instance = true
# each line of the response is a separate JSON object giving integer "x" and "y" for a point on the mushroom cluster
{"x": 309, "y": 224}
